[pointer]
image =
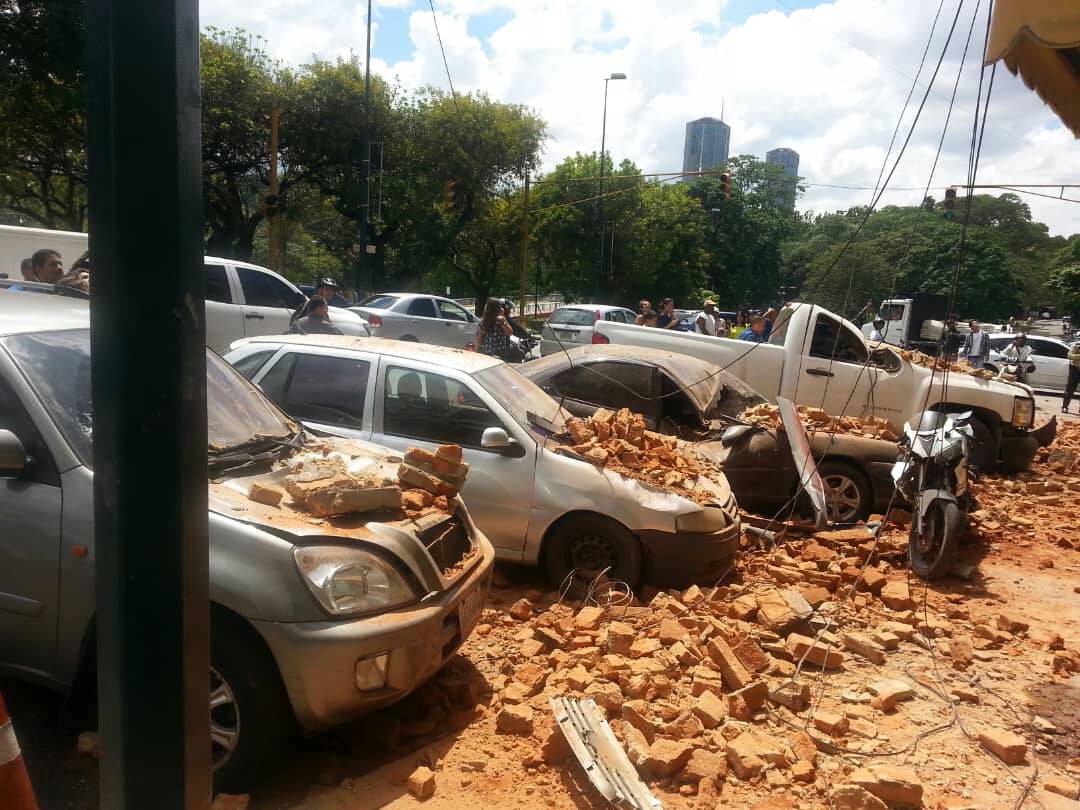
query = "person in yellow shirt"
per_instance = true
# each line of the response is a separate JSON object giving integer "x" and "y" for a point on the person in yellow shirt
{"x": 738, "y": 326}
{"x": 1074, "y": 376}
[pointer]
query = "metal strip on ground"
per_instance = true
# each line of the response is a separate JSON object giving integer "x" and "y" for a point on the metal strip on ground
{"x": 605, "y": 762}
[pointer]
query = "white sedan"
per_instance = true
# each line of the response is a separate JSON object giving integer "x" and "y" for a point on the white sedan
{"x": 535, "y": 505}
{"x": 418, "y": 318}
{"x": 1050, "y": 356}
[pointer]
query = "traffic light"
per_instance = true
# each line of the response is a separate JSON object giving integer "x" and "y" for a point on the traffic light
{"x": 725, "y": 185}
{"x": 270, "y": 205}
{"x": 449, "y": 198}
{"x": 950, "y": 202}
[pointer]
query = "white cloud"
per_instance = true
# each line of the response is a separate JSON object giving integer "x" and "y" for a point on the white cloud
{"x": 827, "y": 82}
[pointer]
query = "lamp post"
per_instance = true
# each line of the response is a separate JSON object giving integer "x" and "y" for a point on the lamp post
{"x": 600, "y": 201}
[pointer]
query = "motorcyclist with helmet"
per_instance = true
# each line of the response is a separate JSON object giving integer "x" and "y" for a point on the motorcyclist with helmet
{"x": 1019, "y": 353}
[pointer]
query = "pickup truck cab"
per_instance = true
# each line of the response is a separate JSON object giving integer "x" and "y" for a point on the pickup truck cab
{"x": 817, "y": 358}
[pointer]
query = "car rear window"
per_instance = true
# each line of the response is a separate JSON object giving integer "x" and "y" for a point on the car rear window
{"x": 573, "y": 317}
{"x": 379, "y": 301}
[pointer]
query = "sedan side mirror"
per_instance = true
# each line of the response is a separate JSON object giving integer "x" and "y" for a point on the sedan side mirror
{"x": 495, "y": 438}
{"x": 12, "y": 455}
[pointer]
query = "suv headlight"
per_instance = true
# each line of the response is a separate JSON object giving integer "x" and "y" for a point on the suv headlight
{"x": 347, "y": 581}
{"x": 1023, "y": 412}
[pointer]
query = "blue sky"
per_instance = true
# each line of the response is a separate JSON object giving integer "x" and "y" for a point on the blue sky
{"x": 827, "y": 79}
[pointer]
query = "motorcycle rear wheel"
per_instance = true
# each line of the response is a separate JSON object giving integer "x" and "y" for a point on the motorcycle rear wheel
{"x": 933, "y": 549}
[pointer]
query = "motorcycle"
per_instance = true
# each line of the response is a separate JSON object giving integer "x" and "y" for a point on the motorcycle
{"x": 522, "y": 349}
{"x": 933, "y": 477}
{"x": 1013, "y": 370}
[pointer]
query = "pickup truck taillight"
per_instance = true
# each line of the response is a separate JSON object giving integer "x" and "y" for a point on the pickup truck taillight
{"x": 599, "y": 340}
{"x": 374, "y": 320}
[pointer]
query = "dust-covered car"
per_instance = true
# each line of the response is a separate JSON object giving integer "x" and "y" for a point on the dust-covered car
{"x": 691, "y": 398}
{"x": 536, "y": 504}
{"x": 320, "y": 612}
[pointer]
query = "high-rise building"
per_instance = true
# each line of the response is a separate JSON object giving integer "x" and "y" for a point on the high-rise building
{"x": 706, "y": 145}
{"x": 789, "y": 159}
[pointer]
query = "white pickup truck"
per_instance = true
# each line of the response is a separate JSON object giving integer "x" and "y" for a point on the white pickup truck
{"x": 817, "y": 358}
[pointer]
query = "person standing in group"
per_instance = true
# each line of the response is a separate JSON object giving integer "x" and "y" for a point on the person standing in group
{"x": 976, "y": 346}
{"x": 26, "y": 267}
{"x": 770, "y": 318}
{"x": 666, "y": 319}
{"x": 1074, "y": 376}
{"x": 644, "y": 309}
{"x": 47, "y": 266}
{"x": 742, "y": 320}
{"x": 326, "y": 289}
{"x": 649, "y": 319}
{"x": 876, "y": 335}
{"x": 708, "y": 321}
{"x": 493, "y": 334}
{"x": 317, "y": 320}
{"x": 755, "y": 332}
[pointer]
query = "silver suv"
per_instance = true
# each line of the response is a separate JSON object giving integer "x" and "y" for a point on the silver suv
{"x": 313, "y": 621}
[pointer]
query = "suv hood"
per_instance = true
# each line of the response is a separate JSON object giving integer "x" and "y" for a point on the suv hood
{"x": 449, "y": 537}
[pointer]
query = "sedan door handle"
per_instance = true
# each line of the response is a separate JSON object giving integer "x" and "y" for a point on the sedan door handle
{"x": 253, "y": 316}
{"x": 819, "y": 372}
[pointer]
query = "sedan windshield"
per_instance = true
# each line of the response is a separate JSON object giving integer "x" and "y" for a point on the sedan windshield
{"x": 57, "y": 364}
{"x": 522, "y": 398}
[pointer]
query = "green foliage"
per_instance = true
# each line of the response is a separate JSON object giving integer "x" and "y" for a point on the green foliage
{"x": 1064, "y": 279}
{"x": 43, "y": 112}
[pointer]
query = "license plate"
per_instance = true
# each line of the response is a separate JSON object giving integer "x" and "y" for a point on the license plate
{"x": 566, "y": 335}
{"x": 469, "y": 610}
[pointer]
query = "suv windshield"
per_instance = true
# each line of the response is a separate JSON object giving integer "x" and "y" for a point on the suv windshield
{"x": 521, "y": 397}
{"x": 57, "y": 364}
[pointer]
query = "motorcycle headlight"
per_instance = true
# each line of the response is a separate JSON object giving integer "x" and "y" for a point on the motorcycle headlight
{"x": 346, "y": 581}
{"x": 1023, "y": 412}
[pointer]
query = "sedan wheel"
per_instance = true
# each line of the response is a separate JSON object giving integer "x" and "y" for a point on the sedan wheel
{"x": 847, "y": 492}
{"x": 224, "y": 720}
{"x": 842, "y": 495}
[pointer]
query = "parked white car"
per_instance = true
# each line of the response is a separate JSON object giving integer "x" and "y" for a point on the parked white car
{"x": 1050, "y": 356}
{"x": 573, "y": 325}
{"x": 419, "y": 318}
{"x": 245, "y": 300}
{"x": 535, "y": 505}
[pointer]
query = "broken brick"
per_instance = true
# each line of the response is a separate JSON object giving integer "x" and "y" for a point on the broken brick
{"x": 1010, "y": 748}
{"x": 589, "y": 618}
{"x": 710, "y": 710}
{"x": 795, "y": 696}
{"x": 521, "y": 610}
{"x": 421, "y": 783}
{"x": 897, "y": 596}
{"x": 732, "y": 671}
{"x": 831, "y": 722}
{"x": 888, "y": 692}
{"x": 268, "y": 496}
{"x": 516, "y": 719}
{"x": 704, "y": 764}
{"x": 667, "y": 757}
{"x": 893, "y": 785}
{"x": 864, "y": 647}
{"x": 853, "y": 797}
{"x": 813, "y": 652}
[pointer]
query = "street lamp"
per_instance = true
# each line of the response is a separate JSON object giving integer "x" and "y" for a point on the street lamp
{"x": 600, "y": 201}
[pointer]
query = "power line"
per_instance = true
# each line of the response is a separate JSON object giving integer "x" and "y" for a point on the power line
{"x": 446, "y": 65}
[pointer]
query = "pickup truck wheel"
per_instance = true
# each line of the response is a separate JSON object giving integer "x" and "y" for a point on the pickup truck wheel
{"x": 847, "y": 492}
{"x": 587, "y": 545}
{"x": 250, "y": 718}
{"x": 983, "y": 451}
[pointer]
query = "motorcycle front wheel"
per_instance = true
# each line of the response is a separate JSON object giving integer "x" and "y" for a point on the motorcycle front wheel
{"x": 932, "y": 548}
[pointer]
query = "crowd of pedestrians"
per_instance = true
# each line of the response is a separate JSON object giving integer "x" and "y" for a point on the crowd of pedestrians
{"x": 740, "y": 325}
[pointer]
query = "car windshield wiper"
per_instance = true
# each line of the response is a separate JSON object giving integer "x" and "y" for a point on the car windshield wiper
{"x": 257, "y": 443}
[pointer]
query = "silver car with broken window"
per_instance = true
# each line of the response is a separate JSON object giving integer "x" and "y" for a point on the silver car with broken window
{"x": 537, "y": 506}
{"x": 313, "y": 621}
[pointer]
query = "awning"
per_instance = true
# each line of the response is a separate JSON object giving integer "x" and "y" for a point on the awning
{"x": 1040, "y": 41}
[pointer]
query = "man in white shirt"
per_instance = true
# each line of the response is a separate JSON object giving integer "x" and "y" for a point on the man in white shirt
{"x": 708, "y": 321}
{"x": 876, "y": 334}
{"x": 1019, "y": 352}
{"x": 976, "y": 346}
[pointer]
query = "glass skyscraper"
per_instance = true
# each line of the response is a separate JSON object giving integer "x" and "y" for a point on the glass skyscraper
{"x": 706, "y": 145}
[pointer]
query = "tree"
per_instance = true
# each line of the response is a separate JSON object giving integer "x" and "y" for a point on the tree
{"x": 240, "y": 86}
{"x": 43, "y": 112}
{"x": 1065, "y": 276}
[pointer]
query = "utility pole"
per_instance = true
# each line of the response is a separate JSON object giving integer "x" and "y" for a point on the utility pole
{"x": 150, "y": 557}
{"x": 273, "y": 224}
{"x": 365, "y": 204}
{"x": 524, "y": 244}
{"x": 600, "y": 193}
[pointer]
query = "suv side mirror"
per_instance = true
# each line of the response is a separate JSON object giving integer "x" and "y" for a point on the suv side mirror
{"x": 12, "y": 455}
{"x": 495, "y": 438}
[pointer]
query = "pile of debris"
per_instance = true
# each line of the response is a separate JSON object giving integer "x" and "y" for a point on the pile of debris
{"x": 815, "y": 419}
{"x": 327, "y": 483}
{"x": 941, "y": 364}
{"x": 619, "y": 441}
{"x": 725, "y": 688}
